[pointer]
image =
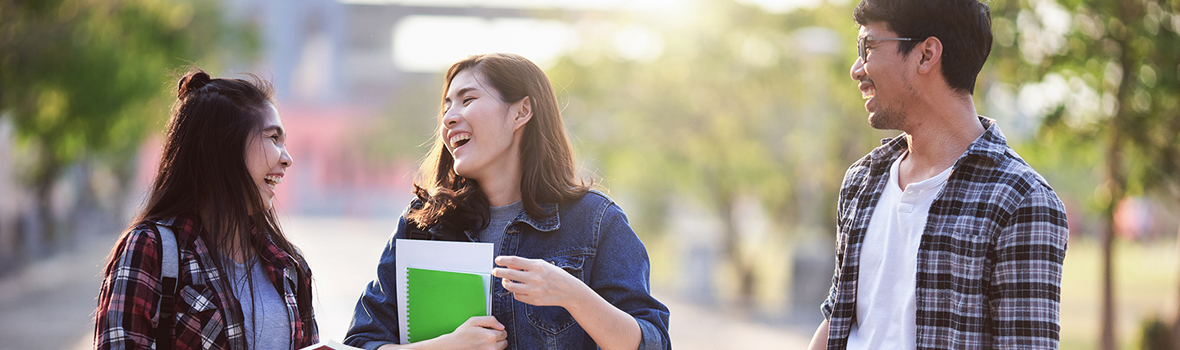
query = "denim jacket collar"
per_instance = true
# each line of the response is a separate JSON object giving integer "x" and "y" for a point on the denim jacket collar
{"x": 548, "y": 222}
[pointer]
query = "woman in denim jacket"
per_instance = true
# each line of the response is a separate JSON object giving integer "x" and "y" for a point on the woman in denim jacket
{"x": 571, "y": 273}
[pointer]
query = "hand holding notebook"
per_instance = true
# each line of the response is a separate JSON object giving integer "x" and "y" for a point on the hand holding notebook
{"x": 440, "y": 286}
{"x": 438, "y": 301}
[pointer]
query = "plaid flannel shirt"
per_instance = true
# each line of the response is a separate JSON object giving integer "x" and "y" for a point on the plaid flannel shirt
{"x": 990, "y": 259}
{"x": 207, "y": 315}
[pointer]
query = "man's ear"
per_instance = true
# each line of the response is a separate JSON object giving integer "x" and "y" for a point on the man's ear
{"x": 931, "y": 54}
{"x": 524, "y": 113}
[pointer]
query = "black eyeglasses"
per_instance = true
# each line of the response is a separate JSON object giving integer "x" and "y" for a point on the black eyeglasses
{"x": 860, "y": 45}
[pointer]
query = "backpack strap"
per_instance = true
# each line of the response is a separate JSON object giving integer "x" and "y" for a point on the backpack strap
{"x": 170, "y": 265}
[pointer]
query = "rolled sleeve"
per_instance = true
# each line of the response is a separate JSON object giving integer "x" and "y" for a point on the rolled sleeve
{"x": 653, "y": 338}
{"x": 621, "y": 277}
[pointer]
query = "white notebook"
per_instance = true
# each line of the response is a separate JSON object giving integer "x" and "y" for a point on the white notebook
{"x": 468, "y": 257}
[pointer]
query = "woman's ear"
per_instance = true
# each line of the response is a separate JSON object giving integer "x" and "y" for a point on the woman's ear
{"x": 524, "y": 112}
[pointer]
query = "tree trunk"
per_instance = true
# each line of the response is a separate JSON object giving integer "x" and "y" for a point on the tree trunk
{"x": 1176, "y": 322}
{"x": 1115, "y": 185}
{"x": 743, "y": 270}
{"x": 46, "y": 241}
{"x": 1108, "y": 316}
{"x": 1130, "y": 14}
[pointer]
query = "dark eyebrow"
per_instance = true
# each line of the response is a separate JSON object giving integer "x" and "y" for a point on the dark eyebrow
{"x": 275, "y": 127}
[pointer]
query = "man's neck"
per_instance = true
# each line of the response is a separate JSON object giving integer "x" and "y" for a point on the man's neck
{"x": 937, "y": 137}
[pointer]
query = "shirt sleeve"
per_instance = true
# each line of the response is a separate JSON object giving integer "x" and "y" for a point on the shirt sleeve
{"x": 829, "y": 303}
{"x": 374, "y": 321}
{"x": 1025, "y": 290}
{"x": 621, "y": 276}
{"x": 312, "y": 328}
{"x": 127, "y": 304}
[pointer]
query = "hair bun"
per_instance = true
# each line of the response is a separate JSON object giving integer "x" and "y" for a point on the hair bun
{"x": 192, "y": 82}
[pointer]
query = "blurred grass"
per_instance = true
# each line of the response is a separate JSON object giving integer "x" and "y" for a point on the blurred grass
{"x": 1145, "y": 285}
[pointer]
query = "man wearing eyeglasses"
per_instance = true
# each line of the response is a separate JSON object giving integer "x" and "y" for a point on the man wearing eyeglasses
{"x": 946, "y": 238}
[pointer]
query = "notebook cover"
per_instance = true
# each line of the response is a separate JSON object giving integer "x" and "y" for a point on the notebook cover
{"x": 437, "y": 301}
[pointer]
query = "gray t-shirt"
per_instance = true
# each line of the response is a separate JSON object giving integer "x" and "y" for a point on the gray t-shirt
{"x": 501, "y": 217}
{"x": 265, "y": 307}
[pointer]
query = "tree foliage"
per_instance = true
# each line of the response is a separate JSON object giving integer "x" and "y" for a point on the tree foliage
{"x": 738, "y": 104}
{"x": 90, "y": 78}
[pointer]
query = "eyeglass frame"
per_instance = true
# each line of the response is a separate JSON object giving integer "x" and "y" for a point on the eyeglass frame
{"x": 862, "y": 49}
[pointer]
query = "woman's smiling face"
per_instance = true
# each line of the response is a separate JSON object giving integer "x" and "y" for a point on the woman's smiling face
{"x": 478, "y": 128}
{"x": 266, "y": 156}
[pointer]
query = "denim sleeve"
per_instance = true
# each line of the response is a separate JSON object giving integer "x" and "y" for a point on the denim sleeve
{"x": 374, "y": 322}
{"x": 621, "y": 275}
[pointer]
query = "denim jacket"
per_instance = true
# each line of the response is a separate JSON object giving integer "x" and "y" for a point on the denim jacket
{"x": 588, "y": 237}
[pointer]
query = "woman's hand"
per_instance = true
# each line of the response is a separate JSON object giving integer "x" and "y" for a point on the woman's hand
{"x": 537, "y": 282}
{"x": 477, "y": 333}
{"x": 481, "y": 332}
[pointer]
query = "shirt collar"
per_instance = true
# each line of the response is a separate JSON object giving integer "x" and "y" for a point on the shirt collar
{"x": 992, "y": 145}
{"x": 187, "y": 229}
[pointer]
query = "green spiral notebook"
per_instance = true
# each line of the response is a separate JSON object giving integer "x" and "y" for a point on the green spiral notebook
{"x": 438, "y": 301}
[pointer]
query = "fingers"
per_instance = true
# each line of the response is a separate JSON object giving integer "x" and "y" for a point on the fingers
{"x": 486, "y": 322}
{"x": 503, "y": 344}
{"x": 510, "y": 274}
{"x": 515, "y": 287}
{"x": 516, "y": 262}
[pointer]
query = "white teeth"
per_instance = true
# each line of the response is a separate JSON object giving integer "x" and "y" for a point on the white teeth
{"x": 273, "y": 180}
{"x": 869, "y": 93}
{"x": 455, "y": 139}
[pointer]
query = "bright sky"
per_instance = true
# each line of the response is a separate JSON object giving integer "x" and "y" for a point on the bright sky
{"x": 579, "y": 4}
{"x": 431, "y": 43}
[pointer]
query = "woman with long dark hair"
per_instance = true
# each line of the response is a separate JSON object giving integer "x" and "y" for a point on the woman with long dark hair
{"x": 241, "y": 284}
{"x": 572, "y": 275}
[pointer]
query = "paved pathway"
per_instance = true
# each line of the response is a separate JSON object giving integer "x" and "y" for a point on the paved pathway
{"x": 50, "y": 305}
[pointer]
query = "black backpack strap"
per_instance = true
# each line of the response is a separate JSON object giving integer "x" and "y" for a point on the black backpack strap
{"x": 170, "y": 266}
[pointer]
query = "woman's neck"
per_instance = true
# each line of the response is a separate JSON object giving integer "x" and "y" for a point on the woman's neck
{"x": 500, "y": 181}
{"x": 501, "y": 190}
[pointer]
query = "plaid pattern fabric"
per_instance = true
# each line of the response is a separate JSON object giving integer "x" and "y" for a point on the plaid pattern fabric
{"x": 990, "y": 259}
{"x": 207, "y": 313}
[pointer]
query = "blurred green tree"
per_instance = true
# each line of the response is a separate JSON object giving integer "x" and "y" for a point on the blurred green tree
{"x": 1119, "y": 63}
{"x": 735, "y": 104}
{"x": 88, "y": 79}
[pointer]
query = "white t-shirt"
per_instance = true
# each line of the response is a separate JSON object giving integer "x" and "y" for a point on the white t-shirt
{"x": 885, "y": 301}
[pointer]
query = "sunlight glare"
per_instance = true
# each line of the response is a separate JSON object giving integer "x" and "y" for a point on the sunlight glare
{"x": 430, "y": 44}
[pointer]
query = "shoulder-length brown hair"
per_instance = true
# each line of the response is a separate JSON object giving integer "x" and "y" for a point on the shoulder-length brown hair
{"x": 547, "y": 161}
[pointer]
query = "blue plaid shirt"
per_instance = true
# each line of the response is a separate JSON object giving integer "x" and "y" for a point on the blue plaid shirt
{"x": 990, "y": 259}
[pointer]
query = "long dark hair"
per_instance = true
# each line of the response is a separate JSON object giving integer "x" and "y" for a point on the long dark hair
{"x": 203, "y": 174}
{"x": 547, "y": 161}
